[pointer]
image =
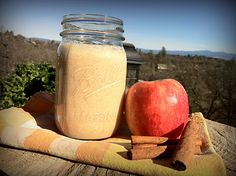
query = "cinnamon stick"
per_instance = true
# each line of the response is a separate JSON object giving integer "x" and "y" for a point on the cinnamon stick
{"x": 152, "y": 140}
{"x": 198, "y": 142}
{"x": 149, "y": 152}
{"x": 143, "y": 146}
{"x": 186, "y": 148}
{"x": 198, "y": 150}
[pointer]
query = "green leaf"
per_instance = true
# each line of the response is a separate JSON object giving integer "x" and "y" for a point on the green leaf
{"x": 24, "y": 82}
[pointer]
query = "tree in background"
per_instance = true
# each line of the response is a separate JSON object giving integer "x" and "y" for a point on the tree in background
{"x": 150, "y": 53}
{"x": 228, "y": 95}
{"x": 163, "y": 51}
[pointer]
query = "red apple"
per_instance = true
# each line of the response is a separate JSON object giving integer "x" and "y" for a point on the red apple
{"x": 157, "y": 108}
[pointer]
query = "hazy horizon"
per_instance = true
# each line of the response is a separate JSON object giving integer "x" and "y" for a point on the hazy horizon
{"x": 182, "y": 25}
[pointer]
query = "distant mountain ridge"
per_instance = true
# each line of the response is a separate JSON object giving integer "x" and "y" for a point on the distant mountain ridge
{"x": 42, "y": 40}
{"x": 207, "y": 53}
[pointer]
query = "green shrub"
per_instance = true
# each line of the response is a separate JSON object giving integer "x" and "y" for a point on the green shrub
{"x": 24, "y": 82}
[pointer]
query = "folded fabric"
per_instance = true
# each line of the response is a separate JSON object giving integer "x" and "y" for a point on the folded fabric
{"x": 20, "y": 129}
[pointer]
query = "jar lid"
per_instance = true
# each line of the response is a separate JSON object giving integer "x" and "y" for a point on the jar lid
{"x": 97, "y": 25}
{"x": 92, "y": 18}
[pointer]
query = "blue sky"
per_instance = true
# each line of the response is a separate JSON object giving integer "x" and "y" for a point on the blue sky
{"x": 177, "y": 25}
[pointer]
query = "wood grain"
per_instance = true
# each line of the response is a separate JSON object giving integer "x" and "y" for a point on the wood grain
{"x": 20, "y": 162}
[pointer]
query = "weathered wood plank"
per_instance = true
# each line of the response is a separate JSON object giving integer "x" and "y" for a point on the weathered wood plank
{"x": 20, "y": 162}
{"x": 223, "y": 138}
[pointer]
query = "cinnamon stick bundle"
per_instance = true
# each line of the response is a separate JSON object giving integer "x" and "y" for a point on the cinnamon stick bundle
{"x": 150, "y": 151}
{"x": 186, "y": 148}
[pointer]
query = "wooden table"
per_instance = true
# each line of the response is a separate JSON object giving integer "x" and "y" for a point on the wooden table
{"x": 21, "y": 162}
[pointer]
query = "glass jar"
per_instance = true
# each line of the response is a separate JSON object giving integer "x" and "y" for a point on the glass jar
{"x": 90, "y": 76}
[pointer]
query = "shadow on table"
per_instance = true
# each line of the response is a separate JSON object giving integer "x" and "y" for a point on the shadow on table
{"x": 166, "y": 162}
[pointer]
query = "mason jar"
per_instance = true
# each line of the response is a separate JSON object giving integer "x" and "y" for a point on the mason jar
{"x": 90, "y": 76}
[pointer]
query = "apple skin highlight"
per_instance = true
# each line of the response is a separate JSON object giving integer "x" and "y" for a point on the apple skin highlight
{"x": 157, "y": 108}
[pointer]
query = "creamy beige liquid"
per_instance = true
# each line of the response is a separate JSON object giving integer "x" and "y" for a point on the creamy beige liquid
{"x": 90, "y": 85}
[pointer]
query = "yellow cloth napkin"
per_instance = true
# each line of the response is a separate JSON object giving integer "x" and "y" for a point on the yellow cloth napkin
{"x": 20, "y": 129}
